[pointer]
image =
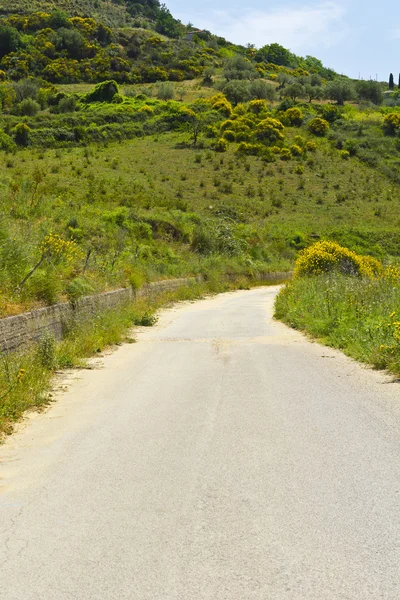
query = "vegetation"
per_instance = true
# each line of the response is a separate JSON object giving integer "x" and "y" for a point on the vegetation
{"x": 131, "y": 153}
{"x": 348, "y": 301}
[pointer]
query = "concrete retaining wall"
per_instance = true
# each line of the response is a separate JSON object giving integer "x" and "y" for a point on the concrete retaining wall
{"x": 22, "y": 329}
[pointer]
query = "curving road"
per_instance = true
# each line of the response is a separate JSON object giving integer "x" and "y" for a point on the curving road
{"x": 223, "y": 457}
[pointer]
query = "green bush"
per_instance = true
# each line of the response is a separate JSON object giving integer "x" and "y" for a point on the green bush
{"x": 28, "y": 108}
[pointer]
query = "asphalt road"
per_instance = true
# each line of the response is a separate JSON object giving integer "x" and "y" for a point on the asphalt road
{"x": 222, "y": 457}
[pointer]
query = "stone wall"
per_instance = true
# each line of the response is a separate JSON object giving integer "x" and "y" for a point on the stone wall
{"x": 22, "y": 329}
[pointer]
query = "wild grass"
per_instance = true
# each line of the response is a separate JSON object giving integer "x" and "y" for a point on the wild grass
{"x": 359, "y": 316}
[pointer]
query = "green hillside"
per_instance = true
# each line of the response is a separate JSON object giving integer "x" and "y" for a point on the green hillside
{"x": 112, "y": 14}
{"x": 131, "y": 153}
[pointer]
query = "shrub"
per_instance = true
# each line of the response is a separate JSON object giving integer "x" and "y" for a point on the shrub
{"x": 6, "y": 143}
{"x": 166, "y": 91}
{"x": 286, "y": 154}
{"x": 294, "y": 116}
{"x": 327, "y": 257}
{"x": 103, "y": 92}
{"x": 46, "y": 350}
{"x": 311, "y": 146}
{"x": 391, "y": 123}
{"x": 28, "y": 108}
{"x": 318, "y": 126}
{"x": 345, "y": 154}
{"x": 330, "y": 112}
{"x": 296, "y": 150}
{"x": 258, "y": 106}
{"x": 270, "y": 130}
{"x": 78, "y": 288}
{"x": 221, "y": 145}
{"x": 22, "y": 134}
{"x": 229, "y": 135}
{"x": 67, "y": 104}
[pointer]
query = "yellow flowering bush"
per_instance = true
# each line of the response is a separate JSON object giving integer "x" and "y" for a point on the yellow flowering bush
{"x": 318, "y": 126}
{"x": 327, "y": 257}
{"x": 56, "y": 248}
{"x": 270, "y": 130}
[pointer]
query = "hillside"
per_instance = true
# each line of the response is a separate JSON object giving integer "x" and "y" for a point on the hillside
{"x": 189, "y": 157}
{"x": 112, "y": 14}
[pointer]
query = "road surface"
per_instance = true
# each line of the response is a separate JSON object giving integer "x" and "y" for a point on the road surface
{"x": 222, "y": 457}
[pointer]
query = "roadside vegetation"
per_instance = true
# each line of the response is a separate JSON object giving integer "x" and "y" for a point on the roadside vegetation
{"x": 347, "y": 301}
{"x": 134, "y": 148}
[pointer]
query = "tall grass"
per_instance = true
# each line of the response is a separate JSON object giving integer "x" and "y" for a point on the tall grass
{"x": 359, "y": 316}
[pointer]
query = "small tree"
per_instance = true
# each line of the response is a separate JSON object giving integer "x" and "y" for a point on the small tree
{"x": 293, "y": 91}
{"x": 318, "y": 126}
{"x": 237, "y": 91}
{"x": 313, "y": 92}
{"x": 238, "y": 68}
{"x": 261, "y": 90}
{"x": 369, "y": 90}
{"x": 339, "y": 90}
{"x": 391, "y": 81}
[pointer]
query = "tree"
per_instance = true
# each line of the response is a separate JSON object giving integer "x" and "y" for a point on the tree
{"x": 239, "y": 67}
{"x": 276, "y": 54}
{"x": 10, "y": 40}
{"x": 339, "y": 90}
{"x": 399, "y": 81}
{"x": 294, "y": 91}
{"x": 261, "y": 90}
{"x": 391, "y": 81}
{"x": 284, "y": 79}
{"x": 369, "y": 90}
{"x": 237, "y": 91}
{"x": 313, "y": 92}
{"x": 166, "y": 24}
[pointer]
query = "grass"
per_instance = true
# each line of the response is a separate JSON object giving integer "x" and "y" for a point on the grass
{"x": 155, "y": 194}
{"x": 359, "y": 316}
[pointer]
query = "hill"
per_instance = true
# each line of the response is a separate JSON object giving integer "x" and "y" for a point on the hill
{"x": 112, "y": 14}
{"x": 188, "y": 157}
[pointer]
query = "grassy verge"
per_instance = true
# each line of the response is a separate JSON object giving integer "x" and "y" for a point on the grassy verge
{"x": 26, "y": 376}
{"x": 359, "y": 316}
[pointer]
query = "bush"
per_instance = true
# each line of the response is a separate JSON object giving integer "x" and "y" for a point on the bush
{"x": 285, "y": 154}
{"x": 294, "y": 116}
{"x": 78, "y": 288}
{"x": 345, "y": 154}
{"x": 28, "y": 108}
{"x": 67, "y": 104}
{"x": 229, "y": 135}
{"x": 270, "y": 130}
{"x": 103, "y": 92}
{"x": 166, "y": 91}
{"x": 22, "y": 134}
{"x": 296, "y": 150}
{"x": 318, "y": 126}
{"x": 221, "y": 145}
{"x": 391, "y": 123}
{"x": 327, "y": 257}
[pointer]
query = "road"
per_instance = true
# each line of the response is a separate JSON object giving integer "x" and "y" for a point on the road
{"x": 222, "y": 457}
